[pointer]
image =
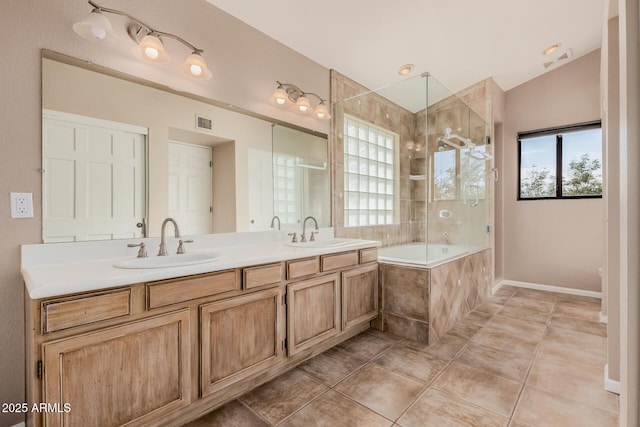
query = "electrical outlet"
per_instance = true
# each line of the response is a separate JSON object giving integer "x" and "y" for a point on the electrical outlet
{"x": 21, "y": 205}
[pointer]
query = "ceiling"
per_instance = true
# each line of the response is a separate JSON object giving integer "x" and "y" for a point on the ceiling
{"x": 460, "y": 42}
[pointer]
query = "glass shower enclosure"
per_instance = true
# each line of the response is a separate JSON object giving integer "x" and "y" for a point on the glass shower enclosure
{"x": 413, "y": 166}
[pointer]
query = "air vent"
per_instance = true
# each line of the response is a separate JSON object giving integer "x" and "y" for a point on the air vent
{"x": 563, "y": 57}
{"x": 204, "y": 123}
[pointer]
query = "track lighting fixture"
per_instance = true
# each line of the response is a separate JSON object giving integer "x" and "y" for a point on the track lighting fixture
{"x": 149, "y": 41}
{"x": 287, "y": 93}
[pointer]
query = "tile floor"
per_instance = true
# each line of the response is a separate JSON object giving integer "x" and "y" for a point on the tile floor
{"x": 523, "y": 358}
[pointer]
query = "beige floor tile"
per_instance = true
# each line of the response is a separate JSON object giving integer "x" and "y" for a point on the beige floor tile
{"x": 579, "y": 325}
{"x": 278, "y": 399}
{"x": 525, "y": 313}
{"x": 385, "y": 335}
{"x": 233, "y": 414}
{"x": 567, "y": 342}
{"x": 537, "y": 295}
{"x": 505, "y": 291}
{"x": 575, "y": 380}
{"x": 517, "y": 327}
{"x": 581, "y": 309}
{"x": 445, "y": 348}
{"x": 465, "y": 329}
{"x": 499, "y": 299}
{"x": 366, "y": 345}
{"x": 381, "y": 390}
{"x": 489, "y": 307}
{"x": 541, "y": 409}
{"x": 522, "y": 346}
{"x": 477, "y": 317}
{"x": 518, "y": 302}
{"x": 332, "y": 366}
{"x": 515, "y": 423}
{"x": 496, "y": 361}
{"x": 477, "y": 386}
{"x": 437, "y": 409}
{"x": 412, "y": 363}
{"x": 333, "y": 409}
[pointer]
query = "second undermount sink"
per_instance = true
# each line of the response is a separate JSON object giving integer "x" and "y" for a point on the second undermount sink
{"x": 168, "y": 261}
{"x": 317, "y": 244}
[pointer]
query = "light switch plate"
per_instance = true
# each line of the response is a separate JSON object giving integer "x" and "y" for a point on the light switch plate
{"x": 21, "y": 205}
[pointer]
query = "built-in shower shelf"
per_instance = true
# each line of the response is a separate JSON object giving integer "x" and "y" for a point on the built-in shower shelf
{"x": 417, "y": 177}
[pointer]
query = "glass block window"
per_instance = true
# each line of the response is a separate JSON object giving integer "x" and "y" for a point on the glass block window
{"x": 285, "y": 200}
{"x": 370, "y": 175}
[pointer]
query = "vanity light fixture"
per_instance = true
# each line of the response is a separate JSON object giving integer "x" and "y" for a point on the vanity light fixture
{"x": 287, "y": 93}
{"x": 96, "y": 27}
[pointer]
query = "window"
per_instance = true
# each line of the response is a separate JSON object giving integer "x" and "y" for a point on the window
{"x": 370, "y": 175}
{"x": 560, "y": 163}
{"x": 285, "y": 191}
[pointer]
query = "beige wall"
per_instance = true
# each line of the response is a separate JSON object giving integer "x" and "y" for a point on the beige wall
{"x": 551, "y": 242}
{"x": 245, "y": 65}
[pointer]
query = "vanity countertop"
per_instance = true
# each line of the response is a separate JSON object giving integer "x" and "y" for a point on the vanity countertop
{"x": 63, "y": 268}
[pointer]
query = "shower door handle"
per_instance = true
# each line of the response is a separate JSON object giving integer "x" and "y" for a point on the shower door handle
{"x": 476, "y": 200}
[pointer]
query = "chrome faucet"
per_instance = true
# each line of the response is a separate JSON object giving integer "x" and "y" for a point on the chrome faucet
{"x": 163, "y": 246}
{"x": 303, "y": 238}
{"x": 273, "y": 222}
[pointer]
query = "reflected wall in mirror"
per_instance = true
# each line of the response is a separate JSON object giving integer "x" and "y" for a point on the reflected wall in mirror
{"x": 121, "y": 154}
{"x": 300, "y": 177}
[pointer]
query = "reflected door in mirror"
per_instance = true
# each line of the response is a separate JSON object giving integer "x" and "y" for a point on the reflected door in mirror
{"x": 93, "y": 178}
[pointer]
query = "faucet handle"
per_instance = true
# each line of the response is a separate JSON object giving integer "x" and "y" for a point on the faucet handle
{"x": 313, "y": 235}
{"x": 142, "y": 252}
{"x": 294, "y": 239}
{"x": 181, "y": 247}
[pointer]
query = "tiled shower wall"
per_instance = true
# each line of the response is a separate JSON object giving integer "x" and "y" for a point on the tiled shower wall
{"x": 375, "y": 109}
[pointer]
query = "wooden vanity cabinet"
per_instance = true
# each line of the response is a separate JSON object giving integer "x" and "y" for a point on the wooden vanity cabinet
{"x": 118, "y": 375}
{"x": 165, "y": 352}
{"x": 313, "y": 312}
{"x": 240, "y": 337}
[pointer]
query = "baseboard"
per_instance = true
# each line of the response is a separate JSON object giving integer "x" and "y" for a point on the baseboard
{"x": 548, "y": 288}
{"x": 497, "y": 286}
{"x": 603, "y": 318}
{"x": 609, "y": 384}
{"x": 22, "y": 424}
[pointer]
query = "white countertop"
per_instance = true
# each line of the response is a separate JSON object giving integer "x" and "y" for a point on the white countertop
{"x": 55, "y": 269}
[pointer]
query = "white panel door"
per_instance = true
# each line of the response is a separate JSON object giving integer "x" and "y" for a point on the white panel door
{"x": 94, "y": 179}
{"x": 190, "y": 187}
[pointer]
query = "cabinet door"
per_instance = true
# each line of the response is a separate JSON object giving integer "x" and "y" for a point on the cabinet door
{"x": 239, "y": 337}
{"x": 313, "y": 312}
{"x": 359, "y": 295}
{"x": 135, "y": 373}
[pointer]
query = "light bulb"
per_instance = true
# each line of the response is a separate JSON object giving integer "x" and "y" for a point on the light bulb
{"x": 303, "y": 104}
{"x": 195, "y": 67}
{"x": 321, "y": 112}
{"x": 98, "y": 32}
{"x": 151, "y": 52}
{"x": 196, "y": 70}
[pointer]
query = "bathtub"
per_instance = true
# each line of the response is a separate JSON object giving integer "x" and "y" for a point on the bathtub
{"x": 416, "y": 254}
{"x": 423, "y": 301}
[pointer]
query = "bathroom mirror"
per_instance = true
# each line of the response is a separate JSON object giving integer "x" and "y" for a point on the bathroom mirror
{"x": 120, "y": 154}
{"x": 300, "y": 177}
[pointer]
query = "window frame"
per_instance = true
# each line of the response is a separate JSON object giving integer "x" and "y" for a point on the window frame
{"x": 558, "y": 132}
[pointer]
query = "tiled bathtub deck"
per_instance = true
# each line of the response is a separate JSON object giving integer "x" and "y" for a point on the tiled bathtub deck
{"x": 524, "y": 358}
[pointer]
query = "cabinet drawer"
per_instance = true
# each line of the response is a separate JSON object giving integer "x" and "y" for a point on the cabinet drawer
{"x": 341, "y": 260}
{"x": 67, "y": 313}
{"x": 368, "y": 255}
{"x": 262, "y": 275}
{"x": 160, "y": 294}
{"x": 302, "y": 267}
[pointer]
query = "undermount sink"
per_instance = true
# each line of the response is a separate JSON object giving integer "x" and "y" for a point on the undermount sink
{"x": 168, "y": 261}
{"x": 317, "y": 244}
